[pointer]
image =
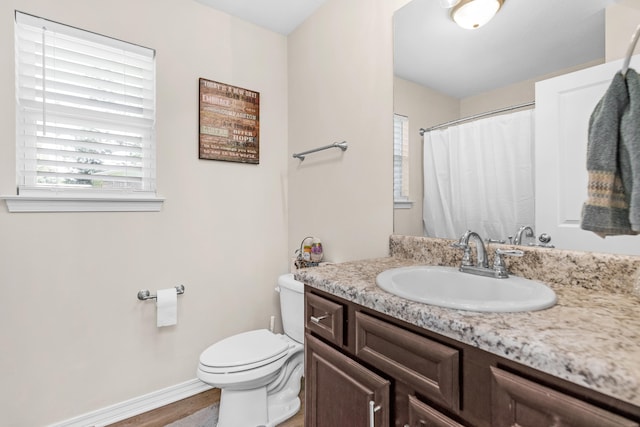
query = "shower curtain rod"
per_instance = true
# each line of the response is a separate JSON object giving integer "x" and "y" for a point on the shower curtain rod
{"x": 477, "y": 116}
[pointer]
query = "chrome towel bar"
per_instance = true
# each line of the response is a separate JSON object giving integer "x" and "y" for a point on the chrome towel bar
{"x": 341, "y": 145}
{"x": 145, "y": 294}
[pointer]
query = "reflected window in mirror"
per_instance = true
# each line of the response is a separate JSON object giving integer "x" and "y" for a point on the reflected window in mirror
{"x": 401, "y": 162}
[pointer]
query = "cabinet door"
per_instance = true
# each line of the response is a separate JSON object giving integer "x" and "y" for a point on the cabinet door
{"x": 340, "y": 392}
{"x": 422, "y": 415}
{"x": 523, "y": 403}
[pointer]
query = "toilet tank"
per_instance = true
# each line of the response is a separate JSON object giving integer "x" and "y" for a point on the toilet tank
{"x": 292, "y": 306}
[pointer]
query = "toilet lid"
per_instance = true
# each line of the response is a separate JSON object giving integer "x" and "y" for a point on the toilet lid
{"x": 248, "y": 348}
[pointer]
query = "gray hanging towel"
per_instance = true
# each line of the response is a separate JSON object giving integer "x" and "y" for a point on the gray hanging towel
{"x": 606, "y": 211}
{"x": 629, "y": 156}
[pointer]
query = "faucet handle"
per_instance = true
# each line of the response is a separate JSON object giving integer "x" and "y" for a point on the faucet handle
{"x": 466, "y": 256}
{"x": 509, "y": 252}
{"x": 499, "y": 266}
{"x": 544, "y": 238}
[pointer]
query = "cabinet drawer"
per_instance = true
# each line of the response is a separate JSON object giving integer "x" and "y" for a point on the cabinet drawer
{"x": 516, "y": 401}
{"x": 431, "y": 368}
{"x": 422, "y": 415}
{"x": 324, "y": 318}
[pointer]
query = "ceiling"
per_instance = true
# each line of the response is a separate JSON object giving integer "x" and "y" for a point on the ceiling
{"x": 526, "y": 39}
{"x": 281, "y": 16}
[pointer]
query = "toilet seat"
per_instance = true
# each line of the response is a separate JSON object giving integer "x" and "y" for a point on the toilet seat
{"x": 245, "y": 351}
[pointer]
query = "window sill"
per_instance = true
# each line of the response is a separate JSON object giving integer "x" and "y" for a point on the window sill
{"x": 81, "y": 204}
{"x": 402, "y": 204}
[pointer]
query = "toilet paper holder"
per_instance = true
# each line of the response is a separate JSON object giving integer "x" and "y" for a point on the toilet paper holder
{"x": 145, "y": 294}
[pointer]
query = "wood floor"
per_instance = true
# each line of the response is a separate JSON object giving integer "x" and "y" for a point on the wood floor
{"x": 183, "y": 408}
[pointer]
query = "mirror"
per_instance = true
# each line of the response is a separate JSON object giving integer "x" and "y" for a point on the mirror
{"x": 444, "y": 73}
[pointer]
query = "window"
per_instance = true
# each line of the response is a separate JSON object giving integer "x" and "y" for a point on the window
{"x": 85, "y": 119}
{"x": 401, "y": 162}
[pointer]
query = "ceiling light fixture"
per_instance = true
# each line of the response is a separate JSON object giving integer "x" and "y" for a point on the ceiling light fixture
{"x": 472, "y": 14}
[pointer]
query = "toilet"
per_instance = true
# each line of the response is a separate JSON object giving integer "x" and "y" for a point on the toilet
{"x": 259, "y": 371}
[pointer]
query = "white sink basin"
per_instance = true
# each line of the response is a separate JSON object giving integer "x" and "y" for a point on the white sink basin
{"x": 448, "y": 287}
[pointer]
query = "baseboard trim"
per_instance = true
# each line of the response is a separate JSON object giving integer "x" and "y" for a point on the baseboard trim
{"x": 136, "y": 406}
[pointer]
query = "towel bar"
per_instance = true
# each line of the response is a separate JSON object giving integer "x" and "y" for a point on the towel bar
{"x": 145, "y": 294}
{"x": 341, "y": 145}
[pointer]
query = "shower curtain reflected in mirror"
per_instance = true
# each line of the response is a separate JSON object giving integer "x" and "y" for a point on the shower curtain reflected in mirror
{"x": 479, "y": 176}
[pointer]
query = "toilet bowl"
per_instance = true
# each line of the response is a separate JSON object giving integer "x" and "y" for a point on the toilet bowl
{"x": 259, "y": 371}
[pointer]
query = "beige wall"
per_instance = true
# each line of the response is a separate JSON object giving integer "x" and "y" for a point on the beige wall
{"x": 341, "y": 88}
{"x": 425, "y": 108}
{"x": 622, "y": 20}
{"x": 514, "y": 94}
{"x": 74, "y": 337}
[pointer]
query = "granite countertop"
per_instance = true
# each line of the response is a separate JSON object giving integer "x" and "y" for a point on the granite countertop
{"x": 591, "y": 337}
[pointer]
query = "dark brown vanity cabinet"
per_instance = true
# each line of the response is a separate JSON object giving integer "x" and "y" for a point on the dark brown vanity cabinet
{"x": 367, "y": 369}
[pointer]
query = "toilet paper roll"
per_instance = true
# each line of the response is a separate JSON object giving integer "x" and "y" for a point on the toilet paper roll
{"x": 167, "y": 307}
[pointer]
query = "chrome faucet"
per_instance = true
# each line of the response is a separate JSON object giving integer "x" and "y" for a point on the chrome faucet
{"x": 481, "y": 267}
{"x": 481, "y": 251}
{"x": 524, "y": 229}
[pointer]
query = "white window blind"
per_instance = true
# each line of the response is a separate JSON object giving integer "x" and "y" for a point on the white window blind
{"x": 85, "y": 112}
{"x": 400, "y": 158}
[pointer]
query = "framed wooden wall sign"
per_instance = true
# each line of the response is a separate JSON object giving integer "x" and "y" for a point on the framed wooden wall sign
{"x": 229, "y": 123}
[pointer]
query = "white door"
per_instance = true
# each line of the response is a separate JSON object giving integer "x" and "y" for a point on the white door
{"x": 563, "y": 107}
